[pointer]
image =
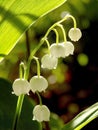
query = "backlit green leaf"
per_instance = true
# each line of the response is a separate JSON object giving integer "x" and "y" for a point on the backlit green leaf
{"x": 82, "y": 118}
{"x": 16, "y": 16}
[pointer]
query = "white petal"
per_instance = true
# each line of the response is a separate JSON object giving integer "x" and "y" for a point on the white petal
{"x": 21, "y": 86}
{"x": 49, "y": 62}
{"x": 41, "y": 113}
{"x": 69, "y": 48}
{"x": 57, "y": 50}
{"x": 46, "y": 113}
{"x": 74, "y": 34}
{"x": 38, "y": 84}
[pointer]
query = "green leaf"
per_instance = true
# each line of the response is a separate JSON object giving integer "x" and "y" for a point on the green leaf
{"x": 8, "y": 103}
{"x": 55, "y": 122}
{"x": 82, "y": 118}
{"x": 16, "y": 16}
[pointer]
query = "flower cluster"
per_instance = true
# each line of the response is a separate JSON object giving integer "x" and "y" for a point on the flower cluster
{"x": 22, "y": 86}
{"x": 62, "y": 49}
{"x": 38, "y": 83}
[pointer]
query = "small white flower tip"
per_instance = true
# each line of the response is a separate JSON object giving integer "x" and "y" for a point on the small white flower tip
{"x": 74, "y": 34}
{"x": 38, "y": 84}
{"x": 49, "y": 62}
{"x": 12, "y": 92}
{"x": 41, "y": 113}
{"x": 20, "y": 86}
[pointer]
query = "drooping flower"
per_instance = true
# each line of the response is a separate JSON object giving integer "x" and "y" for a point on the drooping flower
{"x": 57, "y": 50}
{"x": 48, "y": 61}
{"x": 41, "y": 113}
{"x": 38, "y": 83}
{"x": 69, "y": 48}
{"x": 21, "y": 86}
{"x": 74, "y": 34}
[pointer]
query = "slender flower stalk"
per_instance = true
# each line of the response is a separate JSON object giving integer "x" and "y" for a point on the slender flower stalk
{"x": 48, "y": 45}
{"x": 38, "y": 66}
{"x": 19, "y": 101}
{"x": 18, "y": 111}
{"x": 57, "y": 35}
{"x": 39, "y": 97}
{"x": 63, "y": 31}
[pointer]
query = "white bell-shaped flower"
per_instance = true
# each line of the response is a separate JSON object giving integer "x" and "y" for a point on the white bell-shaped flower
{"x": 21, "y": 86}
{"x": 38, "y": 83}
{"x": 74, "y": 34}
{"x": 57, "y": 50}
{"x": 49, "y": 62}
{"x": 41, "y": 113}
{"x": 69, "y": 48}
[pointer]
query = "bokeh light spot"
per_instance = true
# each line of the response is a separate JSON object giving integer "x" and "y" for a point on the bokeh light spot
{"x": 82, "y": 59}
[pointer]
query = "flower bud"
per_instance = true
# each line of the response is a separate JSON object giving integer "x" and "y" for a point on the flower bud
{"x": 20, "y": 86}
{"x": 41, "y": 113}
{"x": 38, "y": 84}
{"x": 49, "y": 62}
{"x": 57, "y": 50}
{"x": 74, "y": 34}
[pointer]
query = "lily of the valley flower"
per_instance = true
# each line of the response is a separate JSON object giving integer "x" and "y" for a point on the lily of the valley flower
{"x": 38, "y": 83}
{"x": 57, "y": 50}
{"x": 69, "y": 48}
{"x": 49, "y": 62}
{"x": 74, "y": 34}
{"x": 21, "y": 86}
{"x": 41, "y": 113}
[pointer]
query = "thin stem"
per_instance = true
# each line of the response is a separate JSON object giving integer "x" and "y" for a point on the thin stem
{"x": 31, "y": 57}
{"x": 59, "y": 22}
{"x": 48, "y": 45}
{"x": 74, "y": 21}
{"x": 68, "y": 16}
{"x": 38, "y": 65}
{"x": 21, "y": 70}
{"x": 36, "y": 49}
{"x": 39, "y": 97}
{"x": 27, "y": 44}
{"x": 18, "y": 111}
{"x": 57, "y": 35}
{"x": 22, "y": 74}
{"x": 63, "y": 31}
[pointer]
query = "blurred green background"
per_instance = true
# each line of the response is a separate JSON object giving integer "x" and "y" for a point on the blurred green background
{"x": 73, "y": 86}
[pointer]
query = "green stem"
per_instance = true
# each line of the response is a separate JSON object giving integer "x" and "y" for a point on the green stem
{"x": 57, "y": 35}
{"x": 59, "y": 22}
{"x": 18, "y": 111}
{"x": 27, "y": 44}
{"x": 74, "y": 21}
{"x": 63, "y": 31}
{"x": 38, "y": 65}
{"x": 21, "y": 70}
{"x": 66, "y": 17}
{"x": 48, "y": 45}
{"x": 31, "y": 57}
{"x": 39, "y": 97}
